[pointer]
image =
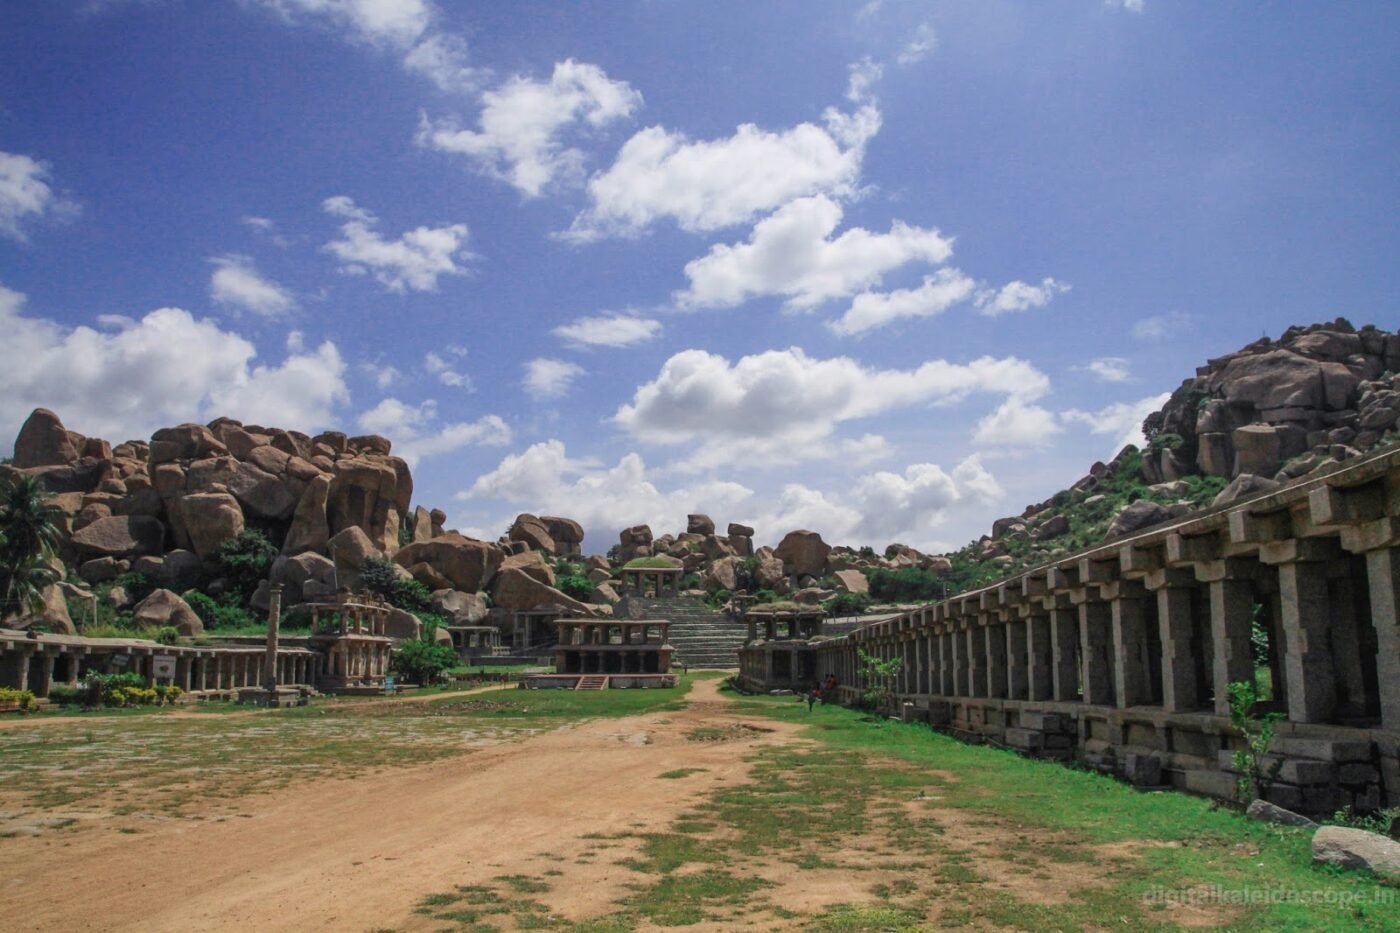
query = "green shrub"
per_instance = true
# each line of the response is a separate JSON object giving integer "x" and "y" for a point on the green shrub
{"x": 245, "y": 560}
{"x": 580, "y": 588}
{"x": 718, "y": 598}
{"x": 222, "y": 613}
{"x": 421, "y": 662}
{"x": 1167, "y": 441}
{"x": 64, "y": 695}
{"x": 380, "y": 576}
{"x": 167, "y": 635}
{"x": 907, "y": 584}
{"x": 847, "y": 604}
{"x": 765, "y": 596}
{"x": 137, "y": 585}
{"x": 9, "y": 696}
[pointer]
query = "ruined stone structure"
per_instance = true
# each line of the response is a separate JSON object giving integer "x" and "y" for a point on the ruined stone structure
{"x": 588, "y": 646}
{"x": 350, "y": 632}
{"x": 1121, "y": 655}
{"x": 651, "y": 581}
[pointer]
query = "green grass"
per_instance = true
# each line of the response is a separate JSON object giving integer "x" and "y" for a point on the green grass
{"x": 680, "y": 773}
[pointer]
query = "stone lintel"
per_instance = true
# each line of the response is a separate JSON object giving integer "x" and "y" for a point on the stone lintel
{"x": 1170, "y": 578}
{"x": 1136, "y": 560}
{"x": 1335, "y": 505}
{"x": 1062, "y": 578}
{"x": 1296, "y": 550}
{"x": 1182, "y": 550}
{"x": 1033, "y": 585}
{"x": 1055, "y": 601}
{"x": 1371, "y": 536}
{"x": 1235, "y": 568}
{"x": 1097, "y": 571}
{"x": 1123, "y": 589}
{"x": 1248, "y": 528}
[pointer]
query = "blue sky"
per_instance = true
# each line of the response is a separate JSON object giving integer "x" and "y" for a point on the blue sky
{"x": 887, "y": 271}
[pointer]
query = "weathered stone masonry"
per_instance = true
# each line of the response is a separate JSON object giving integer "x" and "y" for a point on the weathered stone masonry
{"x": 1121, "y": 655}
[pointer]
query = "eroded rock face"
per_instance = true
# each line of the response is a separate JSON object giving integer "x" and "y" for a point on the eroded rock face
{"x": 208, "y": 519}
{"x": 43, "y": 441}
{"x": 461, "y": 608}
{"x": 469, "y": 564}
{"x": 533, "y": 532}
{"x": 533, "y": 563}
{"x": 513, "y": 588}
{"x": 163, "y": 608}
{"x": 803, "y": 553}
{"x": 121, "y": 536}
{"x": 1143, "y": 513}
{"x": 699, "y": 525}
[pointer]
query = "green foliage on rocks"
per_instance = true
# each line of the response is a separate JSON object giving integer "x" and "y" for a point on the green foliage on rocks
{"x": 245, "y": 560}
{"x": 575, "y": 585}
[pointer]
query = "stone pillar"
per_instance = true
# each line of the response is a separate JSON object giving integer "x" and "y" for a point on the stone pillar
{"x": 1345, "y": 632}
{"x": 274, "y": 629}
{"x": 994, "y": 637}
{"x": 1130, "y": 667}
{"x": 1231, "y": 616}
{"x": 1017, "y": 673}
{"x": 1383, "y": 577}
{"x": 1095, "y": 651}
{"x": 1307, "y": 655}
{"x": 1181, "y": 687}
{"x": 1064, "y": 647}
{"x": 976, "y": 661}
{"x": 1040, "y": 684}
{"x": 45, "y": 676}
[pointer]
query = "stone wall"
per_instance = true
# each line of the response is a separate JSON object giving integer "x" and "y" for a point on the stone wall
{"x": 1121, "y": 656}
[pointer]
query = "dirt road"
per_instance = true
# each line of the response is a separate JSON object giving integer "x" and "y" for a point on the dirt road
{"x": 358, "y": 854}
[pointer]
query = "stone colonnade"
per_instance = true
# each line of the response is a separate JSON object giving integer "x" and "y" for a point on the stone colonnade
{"x": 664, "y": 581}
{"x": 613, "y": 646}
{"x": 1128, "y": 649}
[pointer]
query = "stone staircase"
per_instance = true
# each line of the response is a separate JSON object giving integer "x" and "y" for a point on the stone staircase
{"x": 702, "y": 637}
{"x": 591, "y": 682}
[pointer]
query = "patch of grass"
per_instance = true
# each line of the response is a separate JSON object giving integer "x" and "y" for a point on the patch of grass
{"x": 681, "y": 900}
{"x": 680, "y": 773}
{"x": 523, "y": 884}
{"x": 851, "y": 918}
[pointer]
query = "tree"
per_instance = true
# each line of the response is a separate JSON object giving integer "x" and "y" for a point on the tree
{"x": 246, "y": 558}
{"x": 28, "y": 542}
{"x": 877, "y": 676}
{"x": 1256, "y": 771}
{"x": 421, "y": 662}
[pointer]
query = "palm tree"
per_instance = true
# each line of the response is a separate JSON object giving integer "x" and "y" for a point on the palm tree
{"x": 28, "y": 543}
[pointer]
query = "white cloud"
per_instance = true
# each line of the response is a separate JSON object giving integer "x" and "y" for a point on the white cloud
{"x": 522, "y": 119}
{"x": 603, "y": 499}
{"x": 384, "y": 375}
{"x": 1109, "y": 369}
{"x": 392, "y": 22}
{"x": 711, "y": 184}
{"x": 869, "y": 310}
{"x": 1015, "y": 423}
{"x": 417, "y": 431}
{"x": 549, "y": 378}
{"x": 1122, "y": 419}
{"x": 862, "y": 78}
{"x": 1161, "y": 326}
{"x": 1133, "y": 6}
{"x": 924, "y": 41}
{"x": 783, "y": 400}
{"x": 442, "y": 59}
{"x": 445, "y": 372}
{"x": 791, "y": 253}
{"x": 414, "y": 261}
{"x": 897, "y": 506}
{"x": 236, "y": 283}
{"x": 129, "y": 376}
{"x": 25, "y": 194}
{"x": 1019, "y": 296}
{"x": 609, "y": 330}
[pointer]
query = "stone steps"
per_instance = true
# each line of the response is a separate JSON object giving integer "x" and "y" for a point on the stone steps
{"x": 702, "y": 637}
{"x": 591, "y": 683}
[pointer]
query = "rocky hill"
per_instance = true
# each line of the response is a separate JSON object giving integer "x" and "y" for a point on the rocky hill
{"x": 188, "y": 512}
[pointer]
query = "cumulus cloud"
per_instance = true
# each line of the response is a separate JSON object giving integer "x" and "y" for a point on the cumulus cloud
{"x": 1016, "y": 423}
{"x": 920, "y": 44}
{"x": 383, "y": 374}
{"x": 787, "y": 402}
{"x": 413, "y": 262}
{"x": 417, "y": 431}
{"x": 1018, "y": 296}
{"x": 25, "y": 194}
{"x": 521, "y": 122}
{"x": 1160, "y": 326}
{"x": 442, "y": 59}
{"x": 711, "y": 184}
{"x": 603, "y": 499}
{"x": 1122, "y": 420}
{"x": 792, "y": 253}
{"x": 549, "y": 378}
{"x": 237, "y": 284}
{"x": 869, "y": 310}
{"x": 129, "y": 376}
{"x": 445, "y": 371}
{"x": 608, "y": 330}
{"x": 1109, "y": 369}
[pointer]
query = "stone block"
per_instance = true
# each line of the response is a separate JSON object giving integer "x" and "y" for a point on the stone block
{"x": 1339, "y": 750}
{"x": 1209, "y": 782}
{"x": 1142, "y": 770}
{"x": 1043, "y": 722}
{"x": 1025, "y": 739}
{"x": 1059, "y": 741}
{"x": 1287, "y": 796}
{"x": 1295, "y": 771}
{"x": 1357, "y": 773}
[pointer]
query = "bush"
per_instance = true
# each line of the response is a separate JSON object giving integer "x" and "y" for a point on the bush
{"x": 421, "y": 662}
{"x": 9, "y": 696}
{"x": 847, "y": 604}
{"x": 137, "y": 585}
{"x": 907, "y": 584}
{"x": 224, "y": 613}
{"x": 64, "y": 695}
{"x": 380, "y": 576}
{"x": 246, "y": 558}
{"x": 1167, "y": 442}
{"x": 580, "y": 588}
{"x": 167, "y": 636}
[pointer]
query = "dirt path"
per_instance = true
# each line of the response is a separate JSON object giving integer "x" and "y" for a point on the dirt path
{"x": 357, "y": 855}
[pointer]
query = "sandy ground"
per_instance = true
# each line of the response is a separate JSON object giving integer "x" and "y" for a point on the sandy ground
{"x": 358, "y": 854}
